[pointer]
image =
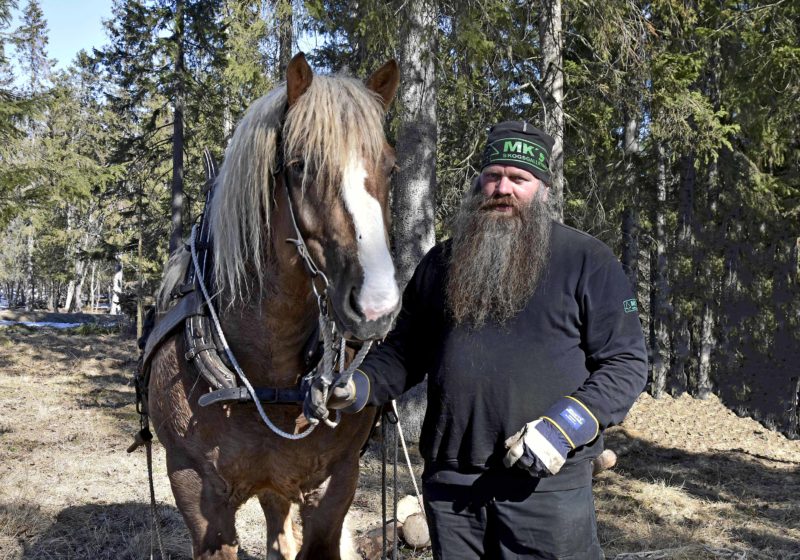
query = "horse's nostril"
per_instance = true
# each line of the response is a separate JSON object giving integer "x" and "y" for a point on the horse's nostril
{"x": 354, "y": 301}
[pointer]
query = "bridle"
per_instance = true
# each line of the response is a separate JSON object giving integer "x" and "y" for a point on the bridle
{"x": 327, "y": 326}
{"x": 333, "y": 344}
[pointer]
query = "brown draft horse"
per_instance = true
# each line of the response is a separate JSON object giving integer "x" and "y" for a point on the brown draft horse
{"x": 328, "y": 132}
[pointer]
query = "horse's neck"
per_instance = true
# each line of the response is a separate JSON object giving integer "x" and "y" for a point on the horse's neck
{"x": 269, "y": 332}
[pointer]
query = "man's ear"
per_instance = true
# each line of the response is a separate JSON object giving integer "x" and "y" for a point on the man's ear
{"x": 384, "y": 81}
{"x": 298, "y": 78}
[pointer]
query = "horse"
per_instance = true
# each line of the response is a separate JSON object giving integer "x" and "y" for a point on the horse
{"x": 308, "y": 158}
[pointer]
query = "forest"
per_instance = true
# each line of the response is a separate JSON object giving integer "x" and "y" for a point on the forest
{"x": 677, "y": 127}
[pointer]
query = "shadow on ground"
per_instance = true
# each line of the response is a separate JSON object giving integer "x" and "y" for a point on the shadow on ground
{"x": 99, "y": 531}
{"x": 668, "y": 497}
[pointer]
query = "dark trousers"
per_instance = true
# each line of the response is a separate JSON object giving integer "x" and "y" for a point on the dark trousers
{"x": 501, "y": 517}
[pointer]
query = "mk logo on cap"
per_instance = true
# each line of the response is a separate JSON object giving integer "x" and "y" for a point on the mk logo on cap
{"x": 516, "y": 150}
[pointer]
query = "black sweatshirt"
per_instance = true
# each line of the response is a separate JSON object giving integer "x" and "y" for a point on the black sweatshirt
{"x": 578, "y": 335}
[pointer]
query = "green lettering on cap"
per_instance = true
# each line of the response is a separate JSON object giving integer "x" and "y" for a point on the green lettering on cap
{"x": 514, "y": 147}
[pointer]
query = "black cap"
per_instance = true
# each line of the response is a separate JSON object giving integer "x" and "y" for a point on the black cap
{"x": 519, "y": 144}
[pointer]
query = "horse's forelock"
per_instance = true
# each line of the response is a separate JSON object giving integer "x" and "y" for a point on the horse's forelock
{"x": 334, "y": 122}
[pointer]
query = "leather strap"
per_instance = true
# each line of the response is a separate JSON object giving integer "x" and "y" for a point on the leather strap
{"x": 267, "y": 395}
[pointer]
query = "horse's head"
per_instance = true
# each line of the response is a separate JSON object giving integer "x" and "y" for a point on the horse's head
{"x": 337, "y": 167}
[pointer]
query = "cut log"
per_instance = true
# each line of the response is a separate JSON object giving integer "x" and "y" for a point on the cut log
{"x": 407, "y": 505}
{"x": 370, "y": 544}
{"x": 606, "y": 460}
{"x": 415, "y": 531}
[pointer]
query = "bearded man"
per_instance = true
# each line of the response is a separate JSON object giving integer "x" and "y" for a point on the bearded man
{"x": 529, "y": 336}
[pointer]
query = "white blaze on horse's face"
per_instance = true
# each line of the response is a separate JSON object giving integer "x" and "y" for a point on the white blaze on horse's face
{"x": 378, "y": 295}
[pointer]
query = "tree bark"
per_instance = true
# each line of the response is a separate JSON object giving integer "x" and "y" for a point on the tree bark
{"x": 659, "y": 334}
{"x": 551, "y": 40}
{"x": 413, "y": 203}
{"x": 285, "y": 35}
{"x": 176, "y": 238}
{"x": 630, "y": 216}
{"x": 116, "y": 287}
{"x": 30, "y": 288}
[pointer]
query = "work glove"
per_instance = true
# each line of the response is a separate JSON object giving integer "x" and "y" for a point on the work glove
{"x": 349, "y": 397}
{"x": 541, "y": 446}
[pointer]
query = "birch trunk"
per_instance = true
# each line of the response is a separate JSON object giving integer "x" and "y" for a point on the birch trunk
{"x": 413, "y": 204}
{"x": 551, "y": 39}
{"x": 116, "y": 287}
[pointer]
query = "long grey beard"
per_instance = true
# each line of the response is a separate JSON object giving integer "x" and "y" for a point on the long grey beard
{"x": 496, "y": 261}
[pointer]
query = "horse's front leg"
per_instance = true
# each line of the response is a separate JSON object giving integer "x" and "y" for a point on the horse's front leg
{"x": 201, "y": 497}
{"x": 323, "y": 514}
{"x": 281, "y": 544}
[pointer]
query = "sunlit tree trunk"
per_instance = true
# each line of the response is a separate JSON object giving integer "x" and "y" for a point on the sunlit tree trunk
{"x": 176, "y": 238}
{"x": 283, "y": 11}
{"x": 630, "y": 216}
{"x": 413, "y": 198}
{"x": 116, "y": 287}
{"x": 30, "y": 288}
{"x": 551, "y": 40}
{"x": 659, "y": 334}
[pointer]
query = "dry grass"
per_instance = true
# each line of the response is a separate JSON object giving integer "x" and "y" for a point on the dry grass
{"x": 694, "y": 481}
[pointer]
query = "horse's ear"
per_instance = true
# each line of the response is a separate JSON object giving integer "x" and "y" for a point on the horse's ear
{"x": 384, "y": 81}
{"x": 298, "y": 77}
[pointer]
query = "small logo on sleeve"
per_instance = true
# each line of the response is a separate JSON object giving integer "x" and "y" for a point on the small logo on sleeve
{"x": 571, "y": 415}
{"x": 630, "y": 306}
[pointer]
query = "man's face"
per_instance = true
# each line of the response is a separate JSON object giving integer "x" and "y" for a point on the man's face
{"x": 499, "y": 181}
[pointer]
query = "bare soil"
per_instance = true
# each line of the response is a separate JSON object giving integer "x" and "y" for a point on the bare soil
{"x": 693, "y": 480}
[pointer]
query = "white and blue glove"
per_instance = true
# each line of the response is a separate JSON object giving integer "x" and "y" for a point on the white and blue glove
{"x": 541, "y": 446}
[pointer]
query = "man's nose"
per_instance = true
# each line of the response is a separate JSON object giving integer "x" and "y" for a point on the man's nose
{"x": 504, "y": 187}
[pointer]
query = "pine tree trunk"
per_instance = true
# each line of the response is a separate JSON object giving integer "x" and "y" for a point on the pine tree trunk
{"x": 630, "y": 216}
{"x": 51, "y": 298}
{"x": 285, "y": 36}
{"x": 659, "y": 333}
{"x": 140, "y": 271}
{"x": 551, "y": 39}
{"x": 30, "y": 289}
{"x": 413, "y": 203}
{"x": 176, "y": 238}
{"x": 706, "y": 344}
{"x": 77, "y": 298}
{"x": 92, "y": 288}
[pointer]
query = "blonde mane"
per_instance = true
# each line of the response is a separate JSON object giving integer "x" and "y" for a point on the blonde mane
{"x": 334, "y": 120}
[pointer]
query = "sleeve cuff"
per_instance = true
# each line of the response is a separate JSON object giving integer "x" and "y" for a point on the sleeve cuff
{"x": 574, "y": 420}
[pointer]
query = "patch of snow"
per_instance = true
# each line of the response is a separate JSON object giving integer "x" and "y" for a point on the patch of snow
{"x": 39, "y": 324}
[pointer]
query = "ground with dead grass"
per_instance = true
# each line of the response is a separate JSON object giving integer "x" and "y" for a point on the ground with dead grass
{"x": 693, "y": 481}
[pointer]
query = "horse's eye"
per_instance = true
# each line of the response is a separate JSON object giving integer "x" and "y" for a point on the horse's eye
{"x": 298, "y": 166}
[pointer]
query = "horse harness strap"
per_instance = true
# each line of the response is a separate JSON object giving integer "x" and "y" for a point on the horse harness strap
{"x": 270, "y": 395}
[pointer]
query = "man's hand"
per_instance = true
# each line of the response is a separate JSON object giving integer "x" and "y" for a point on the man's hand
{"x": 542, "y": 446}
{"x": 319, "y": 399}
